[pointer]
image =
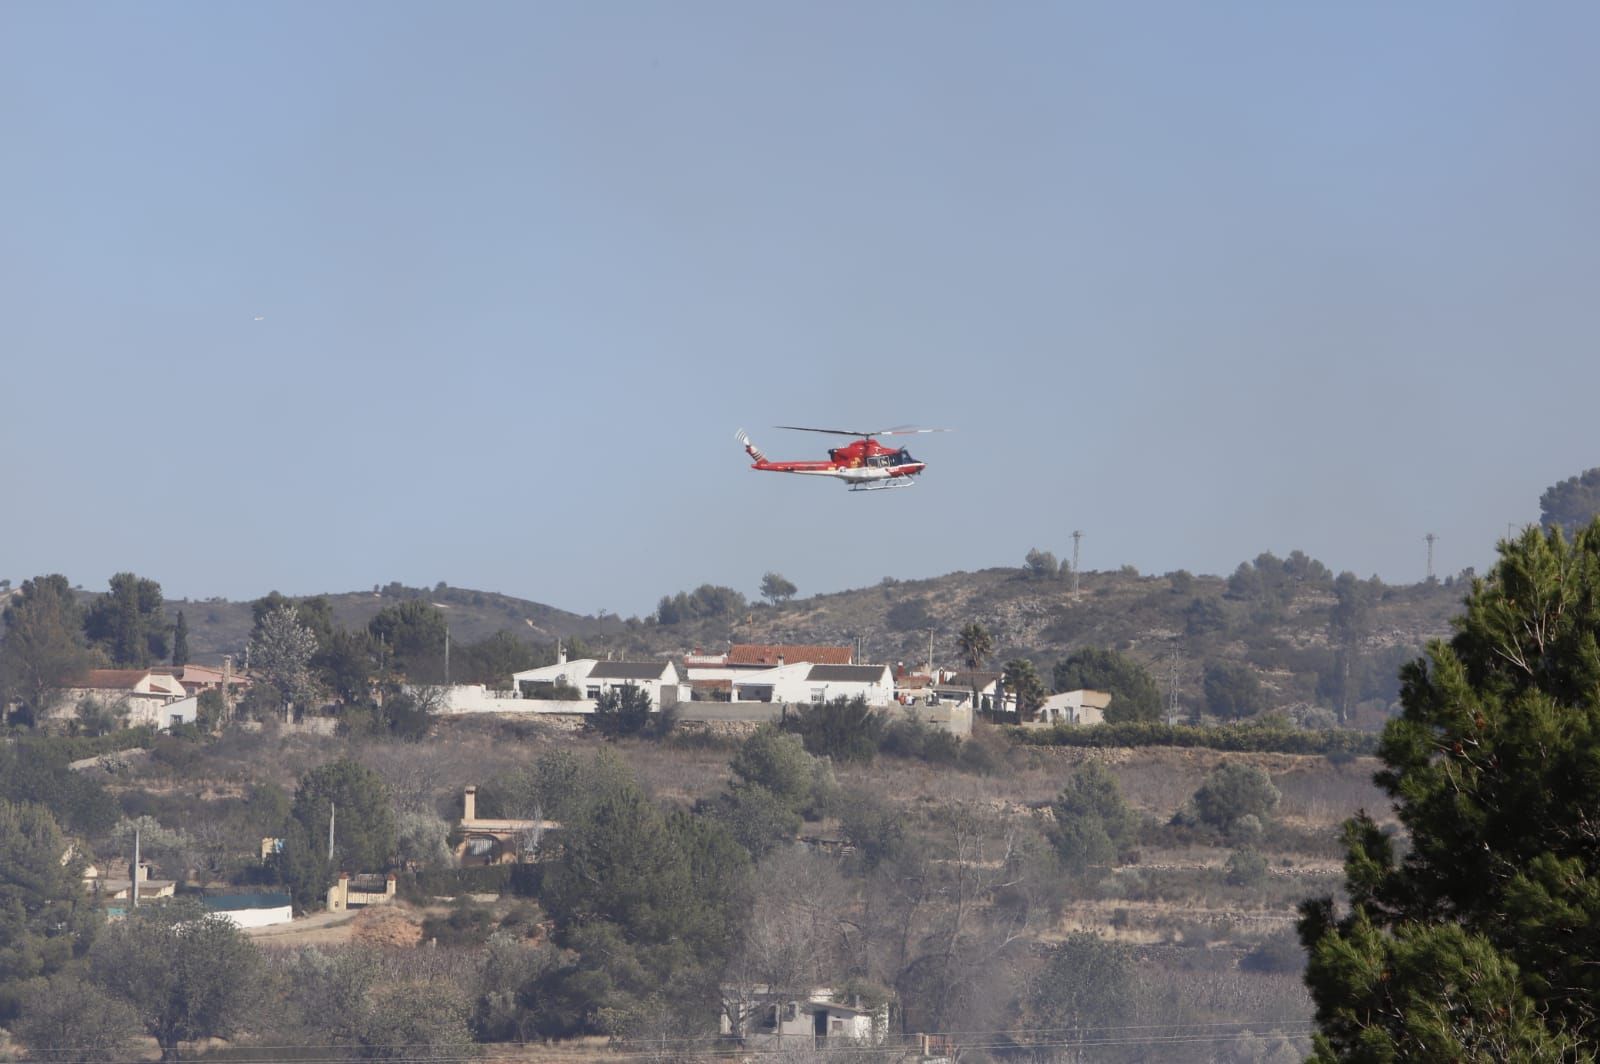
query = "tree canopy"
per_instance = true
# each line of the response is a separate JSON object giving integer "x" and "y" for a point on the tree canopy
{"x": 845, "y": 729}
{"x": 1572, "y": 503}
{"x": 1482, "y": 941}
{"x": 46, "y": 919}
{"x": 1134, "y": 695}
{"x": 43, "y": 649}
{"x": 776, "y": 589}
{"x": 129, "y": 623}
{"x": 188, "y": 973}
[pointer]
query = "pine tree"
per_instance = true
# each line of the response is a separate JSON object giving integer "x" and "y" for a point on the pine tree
{"x": 1483, "y": 941}
{"x": 180, "y": 640}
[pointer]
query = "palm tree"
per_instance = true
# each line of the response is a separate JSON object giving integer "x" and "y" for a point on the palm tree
{"x": 976, "y": 645}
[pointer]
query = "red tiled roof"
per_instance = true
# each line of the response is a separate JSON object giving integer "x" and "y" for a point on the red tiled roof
{"x": 769, "y": 653}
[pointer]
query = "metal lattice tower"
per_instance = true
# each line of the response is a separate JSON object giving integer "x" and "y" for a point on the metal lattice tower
{"x": 1430, "y": 537}
{"x": 1077, "y": 537}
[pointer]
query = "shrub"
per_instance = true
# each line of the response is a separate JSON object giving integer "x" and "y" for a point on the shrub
{"x": 845, "y": 729}
{"x": 1234, "y": 790}
{"x": 1246, "y": 868}
{"x": 1246, "y": 738}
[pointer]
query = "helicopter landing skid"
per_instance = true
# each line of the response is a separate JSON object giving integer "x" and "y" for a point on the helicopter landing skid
{"x": 883, "y": 485}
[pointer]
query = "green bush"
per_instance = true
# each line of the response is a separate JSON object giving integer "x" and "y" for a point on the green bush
{"x": 1240, "y": 739}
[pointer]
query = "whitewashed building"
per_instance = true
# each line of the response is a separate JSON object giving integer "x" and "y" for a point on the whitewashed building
{"x": 1075, "y": 707}
{"x": 770, "y": 1021}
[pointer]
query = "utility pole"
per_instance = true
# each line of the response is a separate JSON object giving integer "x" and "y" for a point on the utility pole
{"x": 447, "y": 655}
{"x": 133, "y": 891}
{"x": 333, "y": 808}
{"x": 1172, "y": 686}
{"x": 1077, "y": 537}
{"x": 1430, "y": 537}
{"x": 227, "y": 687}
{"x": 930, "y": 651}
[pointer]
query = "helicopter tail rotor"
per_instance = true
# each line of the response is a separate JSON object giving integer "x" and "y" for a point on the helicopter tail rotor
{"x": 749, "y": 446}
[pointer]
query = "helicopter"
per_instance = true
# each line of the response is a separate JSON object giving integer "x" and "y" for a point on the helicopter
{"x": 863, "y": 465}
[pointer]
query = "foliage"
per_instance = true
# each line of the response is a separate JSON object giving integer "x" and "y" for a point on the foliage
{"x": 43, "y": 649}
{"x": 281, "y": 653}
{"x": 1248, "y": 738}
{"x": 187, "y": 973}
{"x": 875, "y": 827}
{"x": 1233, "y": 690}
{"x": 1087, "y": 983}
{"x": 625, "y": 711}
{"x": 345, "y": 665}
{"x": 706, "y": 601}
{"x": 180, "y": 640}
{"x": 46, "y": 920}
{"x": 99, "y": 716}
{"x": 1482, "y": 942}
{"x": 1092, "y": 823}
{"x": 1134, "y": 695}
{"x": 1023, "y": 684}
{"x": 315, "y": 613}
{"x": 1571, "y": 504}
{"x": 1041, "y": 564}
{"x": 776, "y": 784}
{"x": 910, "y": 615}
{"x": 647, "y": 902}
{"x": 845, "y": 729}
{"x": 493, "y": 659}
{"x": 129, "y": 623}
{"x": 1233, "y": 790}
{"x": 413, "y": 635}
{"x": 364, "y": 827}
{"x": 1245, "y": 868}
{"x": 776, "y": 589}
{"x": 976, "y": 645}
{"x": 36, "y": 770}
{"x": 1204, "y": 616}
{"x": 73, "y": 1022}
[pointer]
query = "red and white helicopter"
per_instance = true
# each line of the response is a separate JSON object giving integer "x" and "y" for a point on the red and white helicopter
{"x": 864, "y": 465}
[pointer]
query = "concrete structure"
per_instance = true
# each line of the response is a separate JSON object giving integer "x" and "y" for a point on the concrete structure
{"x": 804, "y": 682}
{"x": 1074, "y": 707}
{"x": 251, "y": 910}
{"x": 958, "y": 687}
{"x": 591, "y": 678}
{"x": 498, "y": 841}
{"x": 143, "y": 691}
{"x": 119, "y": 888}
{"x": 776, "y": 1021}
{"x": 711, "y": 676}
{"x": 360, "y": 892}
{"x": 197, "y": 679}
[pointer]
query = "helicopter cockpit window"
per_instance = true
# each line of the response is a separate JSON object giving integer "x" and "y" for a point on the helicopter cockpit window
{"x": 904, "y": 457}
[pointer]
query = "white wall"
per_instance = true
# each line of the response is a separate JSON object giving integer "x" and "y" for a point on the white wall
{"x": 258, "y": 917}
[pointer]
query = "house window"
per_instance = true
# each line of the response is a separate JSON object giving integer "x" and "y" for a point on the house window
{"x": 592, "y": 692}
{"x": 838, "y": 1026}
{"x": 819, "y": 695}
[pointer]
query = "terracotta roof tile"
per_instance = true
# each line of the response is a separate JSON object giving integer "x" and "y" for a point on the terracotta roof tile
{"x": 791, "y": 653}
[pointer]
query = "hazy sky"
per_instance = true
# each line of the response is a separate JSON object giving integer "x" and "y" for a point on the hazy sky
{"x": 317, "y": 296}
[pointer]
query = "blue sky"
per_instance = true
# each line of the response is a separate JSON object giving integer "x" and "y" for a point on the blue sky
{"x": 1201, "y": 280}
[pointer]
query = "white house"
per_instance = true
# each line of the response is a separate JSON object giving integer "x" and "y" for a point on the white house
{"x": 145, "y": 692}
{"x": 958, "y": 687}
{"x": 592, "y": 678}
{"x": 1075, "y": 707}
{"x": 776, "y": 1021}
{"x": 803, "y": 682}
{"x": 712, "y": 676}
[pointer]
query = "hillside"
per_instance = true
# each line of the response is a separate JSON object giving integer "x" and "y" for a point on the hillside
{"x": 218, "y": 626}
{"x": 1277, "y": 616}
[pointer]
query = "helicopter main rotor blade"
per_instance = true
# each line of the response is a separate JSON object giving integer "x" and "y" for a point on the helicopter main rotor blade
{"x": 902, "y": 430}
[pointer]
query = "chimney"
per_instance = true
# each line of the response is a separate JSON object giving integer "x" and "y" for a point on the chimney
{"x": 561, "y": 653}
{"x": 469, "y": 804}
{"x": 780, "y": 659}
